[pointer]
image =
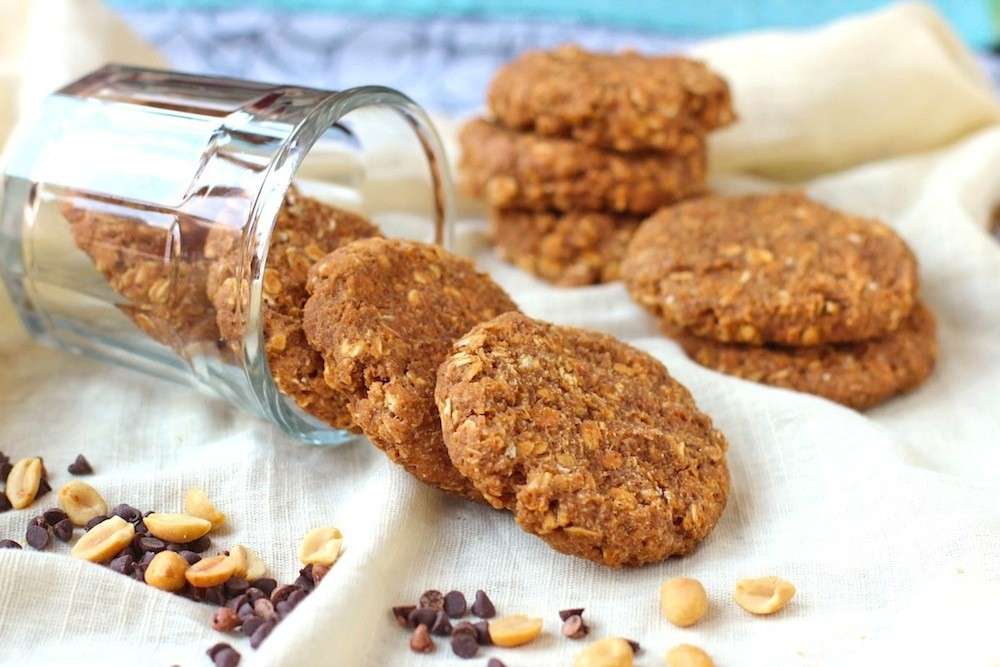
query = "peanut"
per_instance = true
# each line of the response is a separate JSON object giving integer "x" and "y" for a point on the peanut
{"x": 256, "y": 568}
{"x": 81, "y": 502}
{"x": 763, "y": 596}
{"x": 321, "y": 546}
{"x": 683, "y": 601}
{"x": 23, "y": 482}
{"x": 608, "y": 652}
{"x": 210, "y": 572}
{"x": 179, "y": 528}
{"x": 166, "y": 571}
{"x": 246, "y": 563}
{"x": 686, "y": 655}
{"x": 103, "y": 541}
{"x": 196, "y": 503}
{"x": 514, "y": 630}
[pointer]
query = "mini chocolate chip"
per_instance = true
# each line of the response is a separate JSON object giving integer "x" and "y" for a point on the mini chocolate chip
{"x": 265, "y": 584}
{"x": 483, "y": 606}
{"x": 54, "y": 515}
{"x": 455, "y": 605}
{"x": 250, "y": 624}
{"x": 442, "y": 626}
{"x": 9, "y": 544}
{"x": 264, "y": 608}
{"x": 201, "y": 545}
{"x": 281, "y": 593}
{"x": 96, "y": 520}
{"x": 227, "y": 657}
{"x": 5, "y": 505}
{"x": 296, "y": 597}
{"x": 237, "y": 602}
{"x": 214, "y": 595}
{"x": 566, "y": 613}
{"x": 635, "y": 646}
{"x": 190, "y": 556}
{"x": 422, "y": 616}
{"x": 574, "y": 628}
{"x": 254, "y": 594}
{"x": 495, "y": 662}
{"x": 151, "y": 544}
{"x": 127, "y": 512}
{"x": 420, "y": 641}
{"x": 245, "y": 610}
{"x": 63, "y": 530}
{"x": 402, "y": 614}
{"x": 38, "y": 537}
{"x": 307, "y": 571}
{"x": 236, "y": 586}
{"x": 432, "y": 599}
{"x": 464, "y": 643}
{"x": 80, "y": 466}
{"x": 283, "y": 608}
{"x": 483, "y": 633}
{"x": 258, "y": 637}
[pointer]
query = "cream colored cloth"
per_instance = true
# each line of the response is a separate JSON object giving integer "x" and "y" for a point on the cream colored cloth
{"x": 887, "y": 522}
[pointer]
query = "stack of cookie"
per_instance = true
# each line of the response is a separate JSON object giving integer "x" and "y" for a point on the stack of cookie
{"x": 783, "y": 290}
{"x": 581, "y": 146}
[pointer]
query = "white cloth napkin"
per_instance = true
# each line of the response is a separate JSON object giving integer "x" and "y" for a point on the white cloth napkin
{"x": 887, "y": 522}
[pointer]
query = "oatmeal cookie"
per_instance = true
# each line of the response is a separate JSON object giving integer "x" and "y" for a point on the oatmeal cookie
{"x": 384, "y": 313}
{"x": 519, "y": 170}
{"x": 568, "y": 249}
{"x": 155, "y": 264}
{"x": 777, "y": 268}
{"x": 305, "y": 231}
{"x": 624, "y": 101}
{"x": 590, "y": 443}
{"x": 858, "y": 375}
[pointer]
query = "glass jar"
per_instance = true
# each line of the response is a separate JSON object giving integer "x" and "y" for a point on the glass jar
{"x": 111, "y": 191}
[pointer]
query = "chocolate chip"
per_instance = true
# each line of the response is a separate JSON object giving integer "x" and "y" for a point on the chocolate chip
{"x": 151, "y": 544}
{"x": 483, "y": 606}
{"x": 227, "y": 657}
{"x": 265, "y": 584}
{"x": 225, "y": 619}
{"x": 38, "y": 537}
{"x": 432, "y": 599}
{"x": 122, "y": 564}
{"x": 190, "y": 556}
{"x": 422, "y": 616}
{"x": 254, "y": 594}
{"x": 281, "y": 593}
{"x": 464, "y": 643}
{"x": 574, "y": 627}
{"x": 305, "y": 583}
{"x": 420, "y": 641}
{"x": 54, "y": 515}
{"x": 402, "y": 614}
{"x": 9, "y": 544}
{"x": 296, "y": 597}
{"x": 237, "y": 602}
{"x": 5, "y": 505}
{"x": 236, "y": 586}
{"x": 442, "y": 626}
{"x": 283, "y": 608}
{"x": 147, "y": 558}
{"x": 635, "y": 646}
{"x": 495, "y": 662}
{"x": 201, "y": 545}
{"x": 39, "y": 521}
{"x": 264, "y": 608}
{"x": 250, "y": 624}
{"x": 127, "y": 512}
{"x": 63, "y": 530}
{"x": 214, "y": 595}
{"x": 96, "y": 520}
{"x": 258, "y": 637}
{"x": 483, "y": 633}
{"x": 455, "y": 605}
{"x": 139, "y": 573}
{"x": 213, "y": 650}
{"x": 566, "y": 613}
{"x": 43, "y": 488}
{"x": 80, "y": 466}
{"x": 245, "y": 610}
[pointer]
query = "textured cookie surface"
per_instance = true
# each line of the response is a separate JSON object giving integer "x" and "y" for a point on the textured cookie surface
{"x": 568, "y": 249}
{"x": 623, "y": 101}
{"x": 384, "y": 313}
{"x": 777, "y": 268}
{"x": 155, "y": 264}
{"x": 519, "y": 170}
{"x": 305, "y": 231}
{"x": 858, "y": 375}
{"x": 588, "y": 441}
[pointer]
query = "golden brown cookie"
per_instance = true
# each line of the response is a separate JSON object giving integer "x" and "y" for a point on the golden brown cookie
{"x": 588, "y": 441}
{"x": 384, "y": 314}
{"x": 519, "y": 170}
{"x": 776, "y": 268}
{"x": 624, "y": 101}
{"x": 305, "y": 231}
{"x": 568, "y": 249}
{"x": 155, "y": 264}
{"x": 858, "y": 375}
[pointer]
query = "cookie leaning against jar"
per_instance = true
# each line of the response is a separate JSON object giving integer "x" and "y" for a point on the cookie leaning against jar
{"x": 624, "y": 101}
{"x": 590, "y": 442}
{"x": 511, "y": 169}
{"x": 384, "y": 313}
{"x": 305, "y": 231}
{"x": 774, "y": 268}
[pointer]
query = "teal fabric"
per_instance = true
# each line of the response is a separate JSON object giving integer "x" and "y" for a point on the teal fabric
{"x": 975, "y": 20}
